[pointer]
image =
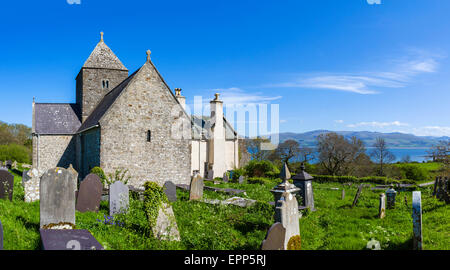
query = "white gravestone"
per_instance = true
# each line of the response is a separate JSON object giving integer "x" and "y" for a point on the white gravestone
{"x": 417, "y": 220}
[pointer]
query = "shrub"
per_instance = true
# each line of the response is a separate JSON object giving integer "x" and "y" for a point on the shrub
{"x": 413, "y": 172}
{"x": 118, "y": 175}
{"x": 237, "y": 173}
{"x": 100, "y": 173}
{"x": 257, "y": 180}
{"x": 154, "y": 197}
{"x": 263, "y": 168}
{"x": 15, "y": 152}
{"x": 370, "y": 179}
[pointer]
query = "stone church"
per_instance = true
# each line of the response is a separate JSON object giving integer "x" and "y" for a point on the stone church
{"x": 133, "y": 122}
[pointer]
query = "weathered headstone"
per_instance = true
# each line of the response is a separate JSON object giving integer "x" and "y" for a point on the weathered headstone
{"x": 8, "y": 164}
{"x": 225, "y": 177}
{"x": 358, "y": 194}
{"x": 406, "y": 201}
{"x": 171, "y": 191}
{"x": 6, "y": 185}
{"x": 390, "y": 197}
{"x": 443, "y": 190}
{"x": 343, "y": 194}
{"x": 75, "y": 173}
{"x": 382, "y": 209}
{"x": 30, "y": 182}
{"x": 241, "y": 179}
{"x": 286, "y": 212}
{"x": 90, "y": 194}
{"x": 166, "y": 225}
{"x": 14, "y": 165}
{"x": 57, "y": 199}
{"x": 275, "y": 238}
{"x": 417, "y": 220}
{"x": 196, "y": 188}
{"x": 119, "y": 198}
{"x": 210, "y": 174}
{"x": 68, "y": 240}
{"x": 1, "y": 236}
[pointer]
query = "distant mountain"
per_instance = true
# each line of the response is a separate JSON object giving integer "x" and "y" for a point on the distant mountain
{"x": 395, "y": 139}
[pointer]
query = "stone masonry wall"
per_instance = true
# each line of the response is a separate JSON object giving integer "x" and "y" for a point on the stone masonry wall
{"x": 146, "y": 104}
{"x": 89, "y": 86}
{"x": 53, "y": 151}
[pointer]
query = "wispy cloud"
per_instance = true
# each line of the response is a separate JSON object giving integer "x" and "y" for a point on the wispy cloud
{"x": 432, "y": 131}
{"x": 378, "y": 124}
{"x": 339, "y": 121}
{"x": 400, "y": 75}
{"x": 237, "y": 95}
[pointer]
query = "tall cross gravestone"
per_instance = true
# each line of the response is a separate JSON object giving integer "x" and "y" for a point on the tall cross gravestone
{"x": 417, "y": 220}
{"x": 286, "y": 212}
{"x": 6, "y": 185}
{"x": 382, "y": 209}
{"x": 119, "y": 198}
{"x": 196, "y": 188}
{"x": 57, "y": 199}
{"x": 90, "y": 194}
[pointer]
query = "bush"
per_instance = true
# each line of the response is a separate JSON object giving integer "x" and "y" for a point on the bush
{"x": 263, "y": 168}
{"x": 119, "y": 175}
{"x": 237, "y": 173}
{"x": 154, "y": 197}
{"x": 413, "y": 172}
{"x": 370, "y": 179}
{"x": 100, "y": 173}
{"x": 15, "y": 152}
{"x": 257, "y": 180}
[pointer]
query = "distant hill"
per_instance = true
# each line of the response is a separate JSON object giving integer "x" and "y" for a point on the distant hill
{"x": 395, "y": 139}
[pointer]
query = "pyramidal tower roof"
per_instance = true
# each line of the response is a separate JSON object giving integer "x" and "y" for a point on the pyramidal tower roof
{"x": 103, "y": 57}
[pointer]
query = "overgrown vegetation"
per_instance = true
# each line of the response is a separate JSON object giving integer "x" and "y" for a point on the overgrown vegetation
{"x": 15, "y": 142}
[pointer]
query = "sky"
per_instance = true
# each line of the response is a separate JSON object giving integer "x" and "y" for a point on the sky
{"x": 326, "y": 64}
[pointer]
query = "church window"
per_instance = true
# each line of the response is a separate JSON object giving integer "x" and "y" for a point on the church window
{"x": 105, "y": 84}
{"x": 149, "y": 136}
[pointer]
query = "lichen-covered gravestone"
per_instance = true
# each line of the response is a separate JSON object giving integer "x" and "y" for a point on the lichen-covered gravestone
{"x": 170, "y": 190}
{"x": 90, "y": 194}
{"x": 274, "y": 238}
{"x": 6, "y": 185}
{"x": 286, "y": 212}
{"x": 417, "y": 220}
{"x": 57, "y": 199}
{"x": 119, "y": 198}
{"x": 30, "y": 182}
{"x": 382, "y": 209}
{"x": 166, "y": 225}
{"x": 196, "y": 188}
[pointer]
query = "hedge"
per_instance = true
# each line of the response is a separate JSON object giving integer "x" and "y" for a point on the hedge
{"x": 369, "y": 179}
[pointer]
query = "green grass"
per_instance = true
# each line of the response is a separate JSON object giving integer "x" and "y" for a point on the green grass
{"x": 216, "y": 227}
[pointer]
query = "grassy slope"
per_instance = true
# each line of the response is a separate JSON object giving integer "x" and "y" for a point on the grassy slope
{"x": 202, "y": 226}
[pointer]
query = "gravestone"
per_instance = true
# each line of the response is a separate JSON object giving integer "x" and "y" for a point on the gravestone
{"x": 390, "y": 197}
{"x": 225, "y": 177}
{"x": 382, "y": 209}
{"x": 210, "y": 174}
{"x": 166, "y": 225}
{"x": 303, "y": 181}
{"x": 241, "y": 179}
{"x": 90, "y": 194}
{"x": 6, "y": 185}
{"x": 8, "y": 164}
{"x": 75, "y": 173}
{"x": 436, "y": 181}
{"x": 30, "y": 183}
{"x": 68, "y": 240}
{"x": 57, "y": 199}
{"x": 358, "y": 194}
{"x": 443, "y": 190}
{"x": 1, "y": 163}
{"x": 1, "y": 236}
{"x": 286, "y": 212}
{"x": 343, "y": 194}
{"x": 274, "y": 238}
{"x": 171, "y": 191}
{"x": 417, "y": 220}
{"x": 119, "y": 198}
{"x": 406, "y": 201}
{"x": 14, "y": 165}
{"x": 196, "y": 188}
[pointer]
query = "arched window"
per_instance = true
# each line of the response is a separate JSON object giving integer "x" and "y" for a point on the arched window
{"x": 105, "y": 84}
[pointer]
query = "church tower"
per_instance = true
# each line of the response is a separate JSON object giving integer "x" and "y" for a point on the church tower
{"x": 101, "y": 72}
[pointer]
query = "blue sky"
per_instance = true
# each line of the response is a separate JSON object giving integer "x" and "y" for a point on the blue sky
{"x": 337, "y": 65}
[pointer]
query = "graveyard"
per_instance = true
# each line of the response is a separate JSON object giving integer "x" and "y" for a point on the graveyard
{"x": 337, "y": 222}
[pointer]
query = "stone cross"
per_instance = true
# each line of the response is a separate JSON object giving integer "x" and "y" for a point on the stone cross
{"x": 275, "y": 238}
{"x": 358, "y": 194}
{"x": 417, "y": 220}
{"x": 57, "y": 199}
{"x": 119, "y": 198}
{"x": 6, "y": 185}
{"x": 382, "y": 209}
{"x": 286, "y": 212}
{"x": 90, "y": 194}
{"x": 196, "y": 188}
{"x": 170, "y": 190}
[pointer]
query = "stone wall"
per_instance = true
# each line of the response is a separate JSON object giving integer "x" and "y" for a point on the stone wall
{"x": 50, "y": 151}
{"x": 89, "y": 87}
{"x": 145, "y": 105}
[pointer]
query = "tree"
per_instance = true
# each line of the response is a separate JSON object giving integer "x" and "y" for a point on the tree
{"x": 285, "y": 151}
{"x": 254, "y": 148}
{"x": 306, "y": 154}
{"x": 440, "y": 152}
{"x": 381, "y": 154}
{"x": 336, "y": 154}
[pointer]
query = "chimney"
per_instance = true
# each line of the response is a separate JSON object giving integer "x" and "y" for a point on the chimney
{"x": 217, "y": 154}
{"x": 180, "y": 98}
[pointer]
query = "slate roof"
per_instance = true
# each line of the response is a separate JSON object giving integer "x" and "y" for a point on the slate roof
{"x": 56, "y": 118}
{"x": 104, "y": 104}
{"x": 103, "y": 57}
{"x": 201, "y": 122}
